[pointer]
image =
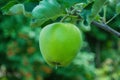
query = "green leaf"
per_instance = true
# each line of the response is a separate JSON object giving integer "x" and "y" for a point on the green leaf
{"x": 17, "y": 9}
{"x": 47, "y": 9}
{"x": 118, "y": 8}
{"x": 84, "y": 27}
{"x": 7, "y": 6}
{"x": 97, "y": 6}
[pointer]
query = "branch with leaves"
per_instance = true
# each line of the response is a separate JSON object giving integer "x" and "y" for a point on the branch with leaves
{"x": 39, "y": 18}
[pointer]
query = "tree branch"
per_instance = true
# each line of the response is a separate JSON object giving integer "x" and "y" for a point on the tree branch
{"x": 106, "y": 27}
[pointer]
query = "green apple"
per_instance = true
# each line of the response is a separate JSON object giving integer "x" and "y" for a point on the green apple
{"x": 59, "y": 43}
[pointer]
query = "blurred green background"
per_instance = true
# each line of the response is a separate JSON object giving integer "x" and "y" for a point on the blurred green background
{"x": 20, "y": 57}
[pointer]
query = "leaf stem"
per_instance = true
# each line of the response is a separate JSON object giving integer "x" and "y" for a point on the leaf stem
{"x": 104, "y": 15}
{"x": 64, "y": 18}
{"x": 68, "y": 14}
{"x": 111, "y": 18}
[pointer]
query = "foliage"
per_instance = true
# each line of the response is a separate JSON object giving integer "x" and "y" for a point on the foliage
{"x": 22, "y": 20}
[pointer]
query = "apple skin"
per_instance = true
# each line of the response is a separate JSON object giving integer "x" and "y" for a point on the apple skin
{"x": 59, "y": 43}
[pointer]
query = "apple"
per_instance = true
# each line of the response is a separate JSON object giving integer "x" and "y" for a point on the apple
{"x": 59, "y": 43}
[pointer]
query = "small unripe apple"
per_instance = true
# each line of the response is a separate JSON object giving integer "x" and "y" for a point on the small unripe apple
{"x": 60, "y": 43}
